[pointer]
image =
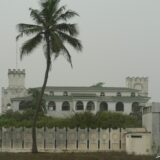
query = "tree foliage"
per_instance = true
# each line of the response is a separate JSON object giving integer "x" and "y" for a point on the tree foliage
{"x": 81, "y": 120}
{"x": 52, "y": 30}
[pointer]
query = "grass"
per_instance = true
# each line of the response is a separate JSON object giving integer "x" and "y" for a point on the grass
{"x": 72, "y": 156}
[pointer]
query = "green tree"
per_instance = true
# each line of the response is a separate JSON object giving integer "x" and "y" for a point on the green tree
{"x": 52, "y": 30}
{"x": 99, "y": 84}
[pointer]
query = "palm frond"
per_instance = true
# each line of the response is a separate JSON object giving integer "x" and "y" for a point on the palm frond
{"x": 49, "y": 8}
{"x": 30, "y": 45}
{"x": 53, "y": 6}
{"x": 59, "y": 12}
{"x": 37, "y": 17}
{"x": 19, "y": 36}
{"x": 28, "y": 29}
{"x": 75, "y": 43}
{"x": 67, "y": 55}
{"x": 23, "y": 26}
{"x": 67, "y": 15}
{"x": 49, "y": 4}
{"x": 58, "y": 48}
{"x": 67, "y": 27}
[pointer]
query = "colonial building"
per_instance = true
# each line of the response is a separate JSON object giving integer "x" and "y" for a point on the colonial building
{"x": 64, "y": 101}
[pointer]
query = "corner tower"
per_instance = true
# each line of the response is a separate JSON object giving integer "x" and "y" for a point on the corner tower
{"x": 16, "y": 78}
{"x": 16, "y": 88}
{"x": 139, "y": 83}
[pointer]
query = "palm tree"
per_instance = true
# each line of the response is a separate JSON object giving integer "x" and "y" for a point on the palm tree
{"x": 52, "y": 30}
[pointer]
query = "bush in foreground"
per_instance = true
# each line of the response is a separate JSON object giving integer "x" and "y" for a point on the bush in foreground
{"x": 82, "y": 120}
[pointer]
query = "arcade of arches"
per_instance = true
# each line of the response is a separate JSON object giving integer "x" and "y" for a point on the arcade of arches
{"x": 90, "y": 106}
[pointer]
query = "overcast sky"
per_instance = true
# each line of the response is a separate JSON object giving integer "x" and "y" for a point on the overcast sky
{"x": 120, "y": 37}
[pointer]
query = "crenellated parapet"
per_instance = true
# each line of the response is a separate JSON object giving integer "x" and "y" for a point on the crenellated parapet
{"x": 137, "y": 79}
{"x": 16, "y": 78}
{"x": 16, "y": 72}
{"x": 139, "y": 83}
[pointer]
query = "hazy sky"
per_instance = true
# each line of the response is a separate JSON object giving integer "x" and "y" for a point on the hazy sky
{"x": 120, "y": 37}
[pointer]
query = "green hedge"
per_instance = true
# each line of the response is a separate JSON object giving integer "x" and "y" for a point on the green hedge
{"x": 82, "y": 120}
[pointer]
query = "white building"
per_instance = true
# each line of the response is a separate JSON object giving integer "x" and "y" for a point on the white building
{"x": 64, "y": 101}
{"x": 151, "y": 121}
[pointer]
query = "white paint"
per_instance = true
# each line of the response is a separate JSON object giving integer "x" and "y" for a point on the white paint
{"x": 138, "y": 143}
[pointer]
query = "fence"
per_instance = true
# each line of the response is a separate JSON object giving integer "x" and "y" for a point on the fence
{"x": 65, "y": 139}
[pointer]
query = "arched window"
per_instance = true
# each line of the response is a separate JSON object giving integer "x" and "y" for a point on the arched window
{"x": 65, "y": 106}
{"x": 51, "y": 93}
{"x": 119, "y": 94}
{"x": 90, "y": 106}
{"x": 65, "y": 93}
{"x": 102, "y": 94}
{"x": 79, "y": 106}
{"x": 28, "y": 104}
{"x": 22, "y": 105}
{"x": 103, "y": 106}
{"x": 120, "y": 107}
{"x": 135, "y": 107}
{"x": 51, "y": 106}
{"x": 8, "y": 104}
{"x": 133, "y": 94}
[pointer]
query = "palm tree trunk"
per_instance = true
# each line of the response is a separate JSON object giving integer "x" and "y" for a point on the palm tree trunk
{"x": 34, "y": 142}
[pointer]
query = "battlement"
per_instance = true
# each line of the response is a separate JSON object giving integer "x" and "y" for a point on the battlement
{"x": 139, "y": 83}
{"x": 16, "y": 78}
{"x": 137, "y": 78}
{"x": 14, "y": 71}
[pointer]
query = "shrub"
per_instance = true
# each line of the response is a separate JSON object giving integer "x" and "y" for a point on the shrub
{"x": 81, "y": 120}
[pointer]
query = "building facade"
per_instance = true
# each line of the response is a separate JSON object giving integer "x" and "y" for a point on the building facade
{"x": 151, "y": 121}
{"x": 65, "y": 101}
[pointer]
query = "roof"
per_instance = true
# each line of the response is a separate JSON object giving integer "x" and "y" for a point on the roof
{"x": 139, "y": 99}
{"x": 89, "y": 89}
{"x": 21, "y": 98}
